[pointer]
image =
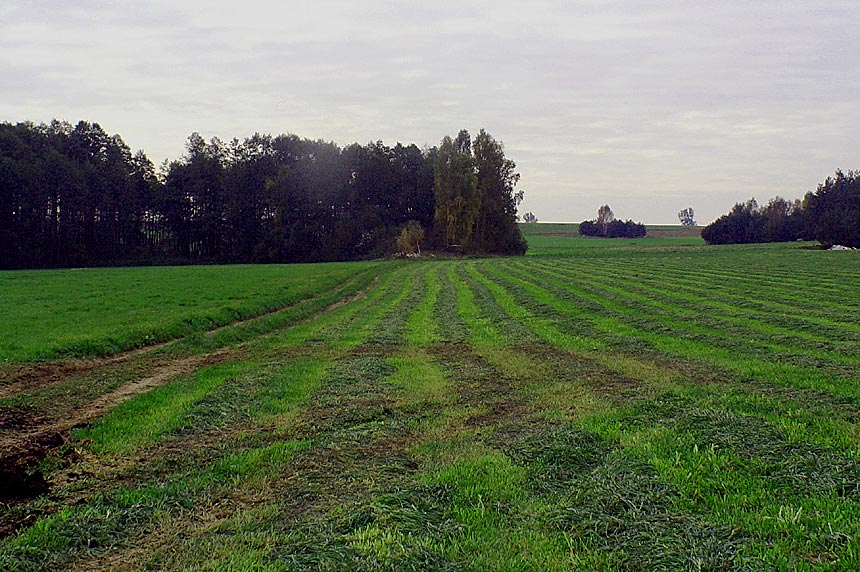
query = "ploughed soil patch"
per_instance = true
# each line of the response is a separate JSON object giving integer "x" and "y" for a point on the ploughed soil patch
{"x": 28, "y": 378}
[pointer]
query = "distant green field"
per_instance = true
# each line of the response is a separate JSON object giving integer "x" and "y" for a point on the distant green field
{"x": 603, "y": 405}
{"x": 98, "y": 311}
{"x": 563, "y": 239}
{"x": 549, "y": 229}
{"x": 571, "y": 229}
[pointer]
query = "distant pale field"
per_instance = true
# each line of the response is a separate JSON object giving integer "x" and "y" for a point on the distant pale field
{"x": 656, "y": 404}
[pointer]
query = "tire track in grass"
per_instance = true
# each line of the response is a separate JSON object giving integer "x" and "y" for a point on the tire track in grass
{"x": 65, "y": 393}
{"x": 27, "y": 444}
{"x": 341, "y": 326}
{"x": 21, "y": 450}
{"x": 297, "y": 291}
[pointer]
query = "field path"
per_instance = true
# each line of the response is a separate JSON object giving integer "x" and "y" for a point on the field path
{"x": 29, "y": 377}
{"x": 32, "y": 377}
{"x": 28, "y": 435}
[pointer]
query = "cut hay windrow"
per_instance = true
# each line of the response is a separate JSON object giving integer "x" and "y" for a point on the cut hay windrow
{"x": 602, "y": 405}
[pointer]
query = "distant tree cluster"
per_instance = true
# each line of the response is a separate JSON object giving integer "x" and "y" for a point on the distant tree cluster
{"x": 778, "y": 221}
{"x": 687, "y": 217}
{"x": 832, "y": 212}
{"x": 76, "y": 196}
{"x": 830, "y": 215}
{"x": 607, "y": 226}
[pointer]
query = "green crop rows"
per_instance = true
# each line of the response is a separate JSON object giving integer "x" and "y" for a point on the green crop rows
{"x": 651, "y": 406}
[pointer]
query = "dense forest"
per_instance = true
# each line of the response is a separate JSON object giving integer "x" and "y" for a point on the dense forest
{"x": 77, "y": 196}
{"x": 830, "y": 215}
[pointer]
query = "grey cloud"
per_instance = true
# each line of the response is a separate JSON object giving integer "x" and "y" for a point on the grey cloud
{"x": 642, "y": 103}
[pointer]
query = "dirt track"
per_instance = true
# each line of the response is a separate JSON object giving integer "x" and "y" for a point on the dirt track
{"x": 26, "y": 439}
{"x": 27, "y": 436}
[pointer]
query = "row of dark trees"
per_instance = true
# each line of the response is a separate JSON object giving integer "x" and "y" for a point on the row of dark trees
{"x": 76, "y": 196}
{"x": 607, "y": 226}
{"x": 830, "y": 215}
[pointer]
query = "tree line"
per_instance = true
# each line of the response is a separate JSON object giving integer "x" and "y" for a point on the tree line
{"x": 830, "y": 215}
{"x": 77, "y": 196}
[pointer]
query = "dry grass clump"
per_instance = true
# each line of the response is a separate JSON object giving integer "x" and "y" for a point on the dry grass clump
{"x": 403, "y": 530}
{"x": 557, "y": 457}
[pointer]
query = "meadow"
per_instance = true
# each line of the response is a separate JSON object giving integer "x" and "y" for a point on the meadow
{"x": 86, "y": 312}
{"x": 655, "y": 404}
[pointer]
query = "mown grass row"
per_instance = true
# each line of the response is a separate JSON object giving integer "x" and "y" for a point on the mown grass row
{"x": 637, "y": 303}
{"x": 485, "y": 415}
{"x": 794, "y": 280}
{"x": 797, "y": 464}
{"x": 229, "y": 409}
{"x": 633, "y": 326}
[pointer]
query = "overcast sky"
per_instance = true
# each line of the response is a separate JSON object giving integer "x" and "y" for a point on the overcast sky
{"x": 649, "y": 106}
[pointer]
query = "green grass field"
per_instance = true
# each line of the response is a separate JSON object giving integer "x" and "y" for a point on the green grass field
{"x": 655, "y": 404}
{"x": 100, "y": 311}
